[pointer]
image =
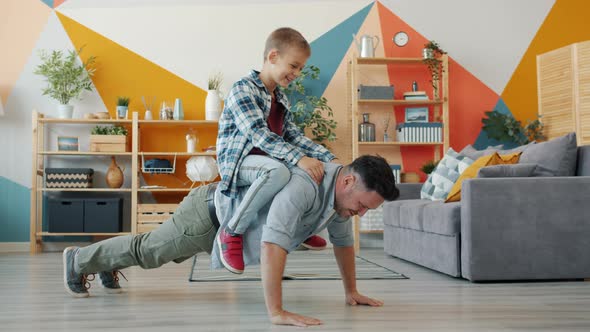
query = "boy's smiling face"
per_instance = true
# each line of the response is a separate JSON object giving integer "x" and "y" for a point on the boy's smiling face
{"x": 287, "y": 65}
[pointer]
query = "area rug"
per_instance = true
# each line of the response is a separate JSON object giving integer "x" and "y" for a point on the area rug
{"x": 301, "y": 265}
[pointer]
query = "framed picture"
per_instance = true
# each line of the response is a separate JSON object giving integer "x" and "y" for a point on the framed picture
{"x": 67, "y": 143}
{"x": 416, "y": 114}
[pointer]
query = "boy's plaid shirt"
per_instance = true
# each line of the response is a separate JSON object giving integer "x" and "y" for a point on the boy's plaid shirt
{"x": 242, "y": 126}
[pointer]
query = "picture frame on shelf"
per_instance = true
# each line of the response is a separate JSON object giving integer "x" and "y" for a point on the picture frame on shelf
{"x": 67, "y": 143}
{"x": 416, "y": 114}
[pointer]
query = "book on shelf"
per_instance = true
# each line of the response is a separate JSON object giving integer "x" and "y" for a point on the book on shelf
{"x": 419, "y": 132}
{"x": 396, "y": 169}
{"x": 415, "y": 95}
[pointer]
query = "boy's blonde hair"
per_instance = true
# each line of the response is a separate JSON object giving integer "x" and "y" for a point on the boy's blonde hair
{"x": 283, "y": 38}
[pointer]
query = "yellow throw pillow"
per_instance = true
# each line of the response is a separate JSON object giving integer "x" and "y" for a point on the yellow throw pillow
{"x": 471, "y": 171}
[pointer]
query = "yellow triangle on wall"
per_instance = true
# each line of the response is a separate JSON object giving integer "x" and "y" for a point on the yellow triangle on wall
{"x": 121, "y": 72}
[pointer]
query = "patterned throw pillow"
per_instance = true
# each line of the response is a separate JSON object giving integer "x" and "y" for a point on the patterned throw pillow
{"x": 441, "y": 180}
{"x": 471, "y": 171}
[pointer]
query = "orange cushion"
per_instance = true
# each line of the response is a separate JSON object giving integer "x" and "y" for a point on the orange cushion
{"x": 471, "y": 171}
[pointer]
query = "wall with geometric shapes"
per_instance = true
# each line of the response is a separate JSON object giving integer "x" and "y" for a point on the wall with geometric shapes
{"x": 168, "y": 49}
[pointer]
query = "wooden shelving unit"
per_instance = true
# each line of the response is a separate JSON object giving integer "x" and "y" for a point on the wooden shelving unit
{"x": 135, "y": 125}
{"x": 439, "y": 105}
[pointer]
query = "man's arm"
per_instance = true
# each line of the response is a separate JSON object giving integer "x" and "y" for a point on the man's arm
{"x": 273, "y": 259}
{"x": 345, "y": 259}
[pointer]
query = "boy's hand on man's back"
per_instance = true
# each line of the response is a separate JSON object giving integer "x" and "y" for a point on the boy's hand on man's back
{"x": 313, "y": 167}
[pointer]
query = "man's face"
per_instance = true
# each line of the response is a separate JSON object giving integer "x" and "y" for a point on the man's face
{"x": 353, "y": 199}
{"x": 287, "y": 65}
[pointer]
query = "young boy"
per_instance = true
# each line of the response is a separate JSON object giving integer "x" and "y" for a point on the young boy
{"x": 257, "y": 140}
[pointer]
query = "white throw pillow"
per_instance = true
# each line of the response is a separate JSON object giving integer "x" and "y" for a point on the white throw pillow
{"x": 441, "y": 180}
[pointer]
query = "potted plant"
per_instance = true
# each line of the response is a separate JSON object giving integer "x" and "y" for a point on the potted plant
{"x": 506, "y": 129}
{"x": 213, "y": 100}
{"x": 429, "y": 166}
{"x": 108, "y": 139}
{"x": 122, "y": 107}
{"x": 431, "y": 58}
{"x": 308, "y": 110}
{"x": 66, "y": 79}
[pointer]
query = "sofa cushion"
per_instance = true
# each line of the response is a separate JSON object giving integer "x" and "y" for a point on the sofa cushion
{"x": 441, "y": 180}
{"x": 473, "y": 169}
{"x": 411, "y": 216}
{"x": 442, "y": 218}
{"x": 513, "y": 171}
{"x": 558, "y": 155}
{"x": 391, "y": 210}
{"x": 474, "y": 154}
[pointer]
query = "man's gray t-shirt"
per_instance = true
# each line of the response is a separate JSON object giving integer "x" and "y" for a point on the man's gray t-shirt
{"x": 302, "y": 208}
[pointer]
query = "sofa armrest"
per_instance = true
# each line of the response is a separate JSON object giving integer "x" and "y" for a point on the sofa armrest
{"x": 409, "y": 190}
{"x": 525, "y": 228}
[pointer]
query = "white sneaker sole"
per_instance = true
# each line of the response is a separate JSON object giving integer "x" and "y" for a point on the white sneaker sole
{"x": 225, "y": 264}
{"x": 313, "y": 248}
{"x": 64, "y": 263}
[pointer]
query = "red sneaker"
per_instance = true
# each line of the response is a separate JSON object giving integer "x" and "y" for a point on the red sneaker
{"x": 230, "y": 250}
{"x": 315, "y": 242}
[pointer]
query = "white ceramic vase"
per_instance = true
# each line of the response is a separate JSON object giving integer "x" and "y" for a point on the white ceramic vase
{"x": 65, "y": 111}
{"x": 212, "y": 105}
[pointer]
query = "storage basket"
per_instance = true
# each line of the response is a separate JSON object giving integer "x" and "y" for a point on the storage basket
{"x": 68, "y": 177}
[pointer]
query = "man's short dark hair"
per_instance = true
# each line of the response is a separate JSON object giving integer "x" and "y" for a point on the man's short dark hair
{"x": 377, "y": 175}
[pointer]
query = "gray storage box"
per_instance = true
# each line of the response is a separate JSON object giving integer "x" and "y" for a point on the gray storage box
{"x": 103, "y": 215}
{"x": 65, "y": 215}
{"x": 376, "y": 92}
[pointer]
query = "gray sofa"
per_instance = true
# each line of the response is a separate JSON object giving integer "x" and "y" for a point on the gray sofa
{"x": 504, "y": 228}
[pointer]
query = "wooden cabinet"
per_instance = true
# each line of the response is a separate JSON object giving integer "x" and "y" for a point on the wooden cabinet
{"x": 142, "y": 217}
{"x": 438, "y": 105}
{"x": 563, "y": 83}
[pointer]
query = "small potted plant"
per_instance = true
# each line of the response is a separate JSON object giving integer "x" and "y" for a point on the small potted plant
{"x": 108, "y": 139}
{"x": 213, "y": 101}
{"x": 431, "y": 58}
{"x": 429, "y": 166}
{"x": 66, "y": 79}
{"x": 122, "y": 107}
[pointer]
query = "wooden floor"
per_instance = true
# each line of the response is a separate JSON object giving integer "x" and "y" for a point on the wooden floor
{"x": 32, "y": 298}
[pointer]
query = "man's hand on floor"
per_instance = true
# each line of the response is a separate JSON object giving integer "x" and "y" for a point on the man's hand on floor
{"x": 356, "y": 298}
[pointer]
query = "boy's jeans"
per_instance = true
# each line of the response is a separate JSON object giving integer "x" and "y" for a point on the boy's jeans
{"x": 186, "y": 233}
{"x": 266, "y": 177}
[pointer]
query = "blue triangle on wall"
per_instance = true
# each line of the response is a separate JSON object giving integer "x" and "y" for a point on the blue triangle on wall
{"x": 328, "y": 50}
{"x": 48, "y": 3}
{"x": 484, "y": 141}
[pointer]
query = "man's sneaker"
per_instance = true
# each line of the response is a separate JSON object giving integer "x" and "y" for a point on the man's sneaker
{"x": 230, "y": 251}
{"x": 110, "y": 281}
{"x": 75, "y": 283}
{"x": 315, "y": 242}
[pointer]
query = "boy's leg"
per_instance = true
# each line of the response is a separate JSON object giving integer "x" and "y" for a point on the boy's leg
{"x": 266, "y": 177}
{"x": 189, "y": 231}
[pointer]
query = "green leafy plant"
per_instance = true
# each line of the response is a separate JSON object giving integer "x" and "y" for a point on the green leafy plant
{"x": 214, "y": 81}
{"x": 434, "y": 64}
{"x": 109, "y": 130}
{"x": 308, "y": 110}
{"x": 123, "y": 101}
{"x": 505, "y": 128}
{"x": 429, "y": 166}
{"x": 65, "y": 78}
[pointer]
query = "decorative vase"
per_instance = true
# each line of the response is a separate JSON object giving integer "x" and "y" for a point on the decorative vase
{"x": 212, "y": 105}
{"x": 122, "y": 112}
{"x": 148, "y": 115}
{"x": 114, "y": 176}
{"x": 65, "y": 111}
{"x": 178, "y": 113}
{"x": 366, "y": 130}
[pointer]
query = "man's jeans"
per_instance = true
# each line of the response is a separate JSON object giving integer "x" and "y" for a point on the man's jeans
{"x": 186, "y": 233}
{"x": 266, "y": 177}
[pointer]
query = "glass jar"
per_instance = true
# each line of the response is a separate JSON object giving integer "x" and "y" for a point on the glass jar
{"x": 366, "y": 130}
